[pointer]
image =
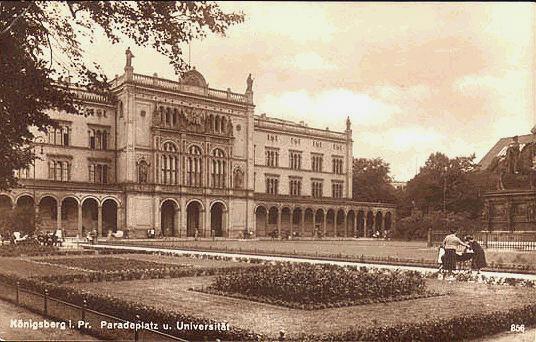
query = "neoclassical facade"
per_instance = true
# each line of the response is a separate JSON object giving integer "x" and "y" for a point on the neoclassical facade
{"x": 187, "y": 160}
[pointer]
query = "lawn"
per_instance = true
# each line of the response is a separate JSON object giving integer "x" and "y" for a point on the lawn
{"x": 414, "y": 250}
{"x": 107, "y": 263}
{"x": 464, "y": 298}
{"x": 25, "y": 267}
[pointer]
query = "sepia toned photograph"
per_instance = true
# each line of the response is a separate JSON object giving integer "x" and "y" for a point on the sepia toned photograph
{"x": 267, "y": 171}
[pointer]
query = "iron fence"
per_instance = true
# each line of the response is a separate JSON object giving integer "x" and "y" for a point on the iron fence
{"x": 79, "y": 317}
{"x": 523, "y": 241}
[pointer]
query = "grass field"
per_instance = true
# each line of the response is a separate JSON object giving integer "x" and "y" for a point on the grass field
{"x": 415, "y": 250}
{"x": 466, "y": 298}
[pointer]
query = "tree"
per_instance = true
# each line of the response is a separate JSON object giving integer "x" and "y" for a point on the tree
{"x": 40, "y": 46}
{"x": 371, "y": 181}
{"x": 447, "y": 184}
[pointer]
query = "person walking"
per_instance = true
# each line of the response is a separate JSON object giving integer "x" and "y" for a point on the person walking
{"x": 451, "y": 243}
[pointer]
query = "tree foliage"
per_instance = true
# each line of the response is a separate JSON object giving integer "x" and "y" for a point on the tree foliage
{"x": 41, "y": 43}
{"x": 453, "y": 183}
{"x": 371, "y": 181}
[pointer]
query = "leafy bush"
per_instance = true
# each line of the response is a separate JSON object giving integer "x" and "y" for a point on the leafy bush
{"x": 319, "y": 284}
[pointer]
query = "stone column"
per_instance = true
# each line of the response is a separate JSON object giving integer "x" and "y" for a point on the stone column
{"x": 336, "y": 223}
{"x": 58, "y": 216}
{"x": 365, "y": 223}
{"x": 291, "y": 221}
{"x": 354, "y": 225}
{"x": 120, "y": 216}
{"x": 80, "y": 232}
{"x": 177, "y": 222}
{"x": 325, "y": 223}
{"x": 224, "y": 219}
{"x": 345, "y": 224}
{"x": 99, "y": 221}
{"x": 202, "y": 227}
{"x": 314, "y": 223}
{"x": 278, "y": 222}
{"x": 208, "y": 231}
{"x": 302, "y": 223}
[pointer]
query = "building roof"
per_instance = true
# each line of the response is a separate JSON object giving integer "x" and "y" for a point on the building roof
{"x": 499, "y": 149}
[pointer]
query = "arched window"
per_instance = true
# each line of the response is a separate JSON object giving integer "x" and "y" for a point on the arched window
{"x": 194, "y": 166}
{"x": 218, "y": 168}
{"x": 169, "y": 162}
{"x": 143, "y": 172}
{"x": 217, "y": 124}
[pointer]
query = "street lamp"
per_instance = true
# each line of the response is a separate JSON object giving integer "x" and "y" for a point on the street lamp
{"x": 445, "y": 171}
{"x": 37, "y": 140}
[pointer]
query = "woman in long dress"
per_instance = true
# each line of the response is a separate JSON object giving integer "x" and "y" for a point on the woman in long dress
{"x": 479, "y": 256}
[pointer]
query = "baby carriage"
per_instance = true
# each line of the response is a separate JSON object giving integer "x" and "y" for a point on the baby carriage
{"x": 463, "y": 259}
{"x": 440, "y": 255}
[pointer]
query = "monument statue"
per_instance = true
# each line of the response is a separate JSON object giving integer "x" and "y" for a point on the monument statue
{"x": 129, "y": 57}
{"x": 512, "y": 156}
{"x": 249, "y": 82}
{"x": 348, "y": 123}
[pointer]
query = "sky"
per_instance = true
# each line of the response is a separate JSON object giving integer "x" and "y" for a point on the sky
{"x": 414, "y": 78}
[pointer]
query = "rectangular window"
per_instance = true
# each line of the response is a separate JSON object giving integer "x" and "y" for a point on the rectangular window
{"x": 272, "y": 185}
{"x": 295, "y": 160}
{"x": 337, "y": 165}
{"x": 316, "y": 162}
{"x": 98, "y": 173}
{"x": 316, "y": 188}
{"x": 60, "y": 135}
{"x": 272, "y": 157}
{"x": 295, "y": 187}
{"x": 59, "y": 170}
{"x": 336, "y": 189}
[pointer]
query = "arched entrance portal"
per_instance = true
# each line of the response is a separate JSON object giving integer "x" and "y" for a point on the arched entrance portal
{"x": 69, "y": 216}
{"x": 109, "y": 217}
{"x": 261, "y": 216}
{"x": 193, "y": 219}
{"x": 360, "y": 223}
{"x": 370, "y": 223}
{"x": 216, "y": 219}
{"x": 90, "y": 215}
{"x": 167, "y": 218}
{"x": 378, "y": 220}
{"x": 48, "y": 213}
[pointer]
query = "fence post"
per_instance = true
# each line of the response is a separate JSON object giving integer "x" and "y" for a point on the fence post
{"x": 429, "y": 244}
{"x": 45, "y": 308}
{"x": 136, "y": 333}
{"x": 17, "y": 293}
{"x": 83, "y": 312}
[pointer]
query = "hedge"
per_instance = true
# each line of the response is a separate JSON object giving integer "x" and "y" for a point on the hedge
{"x": 455, "y": 329}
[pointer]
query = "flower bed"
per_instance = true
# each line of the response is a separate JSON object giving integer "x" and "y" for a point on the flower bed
{"x": 460, "y": 328}
{"x": 106, "y": 263}
{"x": 307, "y": 286}
{"x": 137, "y": 274}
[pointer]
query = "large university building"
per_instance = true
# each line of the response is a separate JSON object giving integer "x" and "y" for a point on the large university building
{"x": 188, "y": 160}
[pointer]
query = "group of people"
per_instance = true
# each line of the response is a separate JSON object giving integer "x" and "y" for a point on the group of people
{"x": 454, "y": 251}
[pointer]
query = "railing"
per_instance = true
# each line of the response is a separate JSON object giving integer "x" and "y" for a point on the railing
{"x": 273, "y": 123}
{"x": 80, "y": 316}
{"x": 176, "y": 86}
{"x": 525, "y": 241}
{"x": 87, "y": 96}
